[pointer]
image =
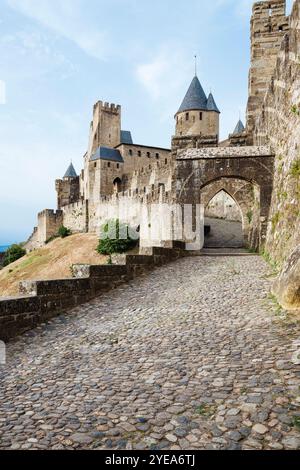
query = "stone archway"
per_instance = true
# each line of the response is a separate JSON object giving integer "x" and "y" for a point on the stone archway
{"x": 247, "y": 173}
{"x": 223, "y": 222}
{"x": 246, "y": 196}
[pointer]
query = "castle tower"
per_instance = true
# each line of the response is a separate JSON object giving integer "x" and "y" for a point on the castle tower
{"x": 105, "y": 128}
{"x": 268, "y": 26}
{"x": 198, "y": 116}
{"x": 67, "y": 188}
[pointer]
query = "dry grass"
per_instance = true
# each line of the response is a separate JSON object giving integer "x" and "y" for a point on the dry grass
{"x": 51, "y": 262}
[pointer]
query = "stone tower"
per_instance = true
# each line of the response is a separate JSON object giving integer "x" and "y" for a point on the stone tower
{"x": 197, "y": 120}
{"x": 105, "y": 128}
{"x": 68, "y": 188}
{"x": 268, "y": 26}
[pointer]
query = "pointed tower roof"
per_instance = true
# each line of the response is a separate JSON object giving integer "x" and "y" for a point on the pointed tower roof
{"x": 239, "y": 128}
{"x": 211, "y": 104}
{"x": 195, "y": 97}
{"x": 70, "y": 173}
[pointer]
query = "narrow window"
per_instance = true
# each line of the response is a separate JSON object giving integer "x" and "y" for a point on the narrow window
{"x": 95, "y": 165}
{"x": 187, "y": 116}
{"x": 118, "y": 166}
{"x": 139, "y": 153}
{"x": 157, "y": 156}
{"x": 201, "y": 116}
{"x": 148, "y": 154}
{"x": 108, "y": 164}
{"x": 130, "y": 152}
{"x": 280, "y": 28}
{"x": 166, "y": 161}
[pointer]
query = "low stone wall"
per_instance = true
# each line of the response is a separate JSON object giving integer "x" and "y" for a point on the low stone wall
{"x": 42, "y": 300}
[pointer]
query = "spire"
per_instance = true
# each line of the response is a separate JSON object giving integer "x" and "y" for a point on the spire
{"x": 211, "y": 104}
{"x": 195, "y": 97}
{"x": 70, "y": 173}
{"x": 239, "y": 128}
{"x": 195, "y": 66}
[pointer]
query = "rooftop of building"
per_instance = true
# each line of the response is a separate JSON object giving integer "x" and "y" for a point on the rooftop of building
{"x": 109, "y": 154}
{"x": 196, "y": 99}
{"x": 71, "y": 172}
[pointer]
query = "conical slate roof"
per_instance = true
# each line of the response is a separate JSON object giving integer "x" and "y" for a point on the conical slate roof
{"x": 70, "y": 173}
{"x": 195, "y": 97}
{"x": 211, "y": 104}
{"x": 239, "y": 128}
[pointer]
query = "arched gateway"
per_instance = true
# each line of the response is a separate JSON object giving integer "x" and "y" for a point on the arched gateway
{"x": 204, "y": 167}
{"x": 245, "y": 173}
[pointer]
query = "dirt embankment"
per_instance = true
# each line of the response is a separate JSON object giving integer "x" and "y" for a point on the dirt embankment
{"x": 51, "y": 262}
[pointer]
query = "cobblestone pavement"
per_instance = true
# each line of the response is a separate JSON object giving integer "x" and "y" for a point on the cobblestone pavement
{"x": 224, "y": 233}
{"x": 192, "y": 356}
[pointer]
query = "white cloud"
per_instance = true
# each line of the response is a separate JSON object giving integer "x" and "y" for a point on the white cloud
{"x": 65, "y": 18}
{"x": 164, "y": 79}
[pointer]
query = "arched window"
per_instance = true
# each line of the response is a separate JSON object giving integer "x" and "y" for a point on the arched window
{"x": 117, "y": 185}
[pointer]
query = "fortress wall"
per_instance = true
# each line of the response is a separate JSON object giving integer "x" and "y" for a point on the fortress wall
{"x": 49, "y": 222}
{"x": 74, "y": 217}
{"x": 279, "y": 126}
{"x": 268, "y": 26}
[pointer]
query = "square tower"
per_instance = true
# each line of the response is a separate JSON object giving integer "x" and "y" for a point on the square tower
{"x": 105, "y": 128}
{"x": 269, "y": 24}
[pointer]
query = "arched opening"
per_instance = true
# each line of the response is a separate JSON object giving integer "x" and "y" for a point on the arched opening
{"x": 117, "y": 185}
{"x": 223, "y": 222}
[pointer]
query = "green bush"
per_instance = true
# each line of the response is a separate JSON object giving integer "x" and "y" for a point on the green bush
{"x": 13, "y": 253}
{"x": 295, "y": 169}
{"x": 108, "y": 246}
{"x": 64, "y": 232}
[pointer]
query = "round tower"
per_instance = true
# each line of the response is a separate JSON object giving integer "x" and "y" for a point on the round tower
{"x": 197, "y": 115}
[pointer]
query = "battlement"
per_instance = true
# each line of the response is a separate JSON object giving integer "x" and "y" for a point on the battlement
{"x": 269, "y": 7}
{"x": 107, "y": 107}
{"x": 50, "y": 213}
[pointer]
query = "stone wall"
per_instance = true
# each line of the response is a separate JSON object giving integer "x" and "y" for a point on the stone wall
{"x": 268, "y": 26}
{"x": 49, "y": 222}
{"x": 42, "y": 300}
{"x": 201, "y": 123}
{"x": 67, "y": 191}
{"x": 74, "y": 217}
{"x": 279, "y": 126}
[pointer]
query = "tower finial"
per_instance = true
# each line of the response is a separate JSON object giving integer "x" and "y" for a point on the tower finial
{"x": 195, "y": 65}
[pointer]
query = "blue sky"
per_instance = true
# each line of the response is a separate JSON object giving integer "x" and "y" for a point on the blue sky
{"x": 58, "y": 57}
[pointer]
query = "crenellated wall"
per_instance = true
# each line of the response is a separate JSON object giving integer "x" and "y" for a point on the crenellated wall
{"x": 279, "y": 126}
{"x": 268, "y": 26}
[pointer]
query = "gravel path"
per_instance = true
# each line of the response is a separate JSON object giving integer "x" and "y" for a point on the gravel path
{"x": 192, "y": 356}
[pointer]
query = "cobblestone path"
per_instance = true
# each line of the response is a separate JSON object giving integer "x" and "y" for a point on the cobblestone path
{"x": 191, "y": 356}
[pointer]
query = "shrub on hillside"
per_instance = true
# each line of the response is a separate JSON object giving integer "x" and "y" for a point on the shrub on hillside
{"x": 108, "y": 245}
{"x": 13, "y": 253}
{"x": 64, "y": 232}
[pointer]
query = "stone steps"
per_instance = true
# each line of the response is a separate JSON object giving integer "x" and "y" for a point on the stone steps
{"x": 223, "y": 252}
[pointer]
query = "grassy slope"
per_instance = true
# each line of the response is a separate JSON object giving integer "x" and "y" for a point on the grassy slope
{"x": 51, "y": 262}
